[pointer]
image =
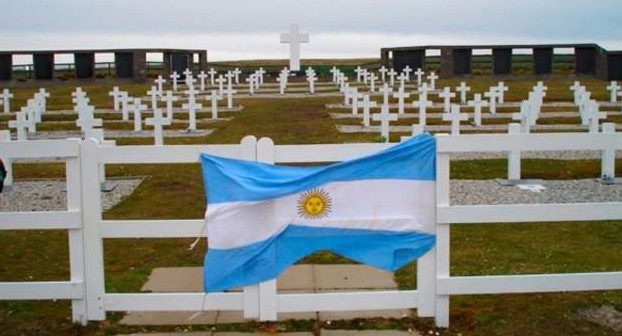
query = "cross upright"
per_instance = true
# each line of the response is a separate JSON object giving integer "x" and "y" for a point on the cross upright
{"x": 261, "y": 72}
{"x": 20, "y": 124}
{"x": 334, "y": 71}
{"x": 402, "y": 78}
{"x": 221, "y": 83}
{"x": 251, "y": 84}
{"x": 342, "y": 82}
{"x": 372, "y": 81}
{"x": 501, "y": 89}
{"x": 359, "y": 73}
{"x": 347, "y": 94}
{"x": 137, "y": 109}
{"x": 230, "y": 92}
{"x": 367, "y": 104}
{"x": 392, "y": 74}
{"x": 613, "y": 88}
{"x": 237, "y": 73}
{"x": 212, "y": 73}
{"x": 407, "y": 70}
{"x": 423, "y": 91}
{"x": 6, "y": 100}
{"x": 153, "y": 93}
{"x": 157, "y": 122}
{"x": 85, "y": 121}
{"x": 383, "y": 73}
{"x": 540, "y": 88}
{"x": 432, "y": 77}
{"x": 385, "y": 118}
{"x": 124, "y": 100}
{"x": 525, "y": 116}
{"x": 214, "y": 98}
{"x": 29, "y": 111}
{"x": 160, "y": 83}
{"x": 187, "y": 76}
{"x": 419, "y": 75}
{"x": 422, "y": 104}
{"x": 492, "y": 102}
{"x": 477, "y": 103}
{"x": 294, "y": 38}
{"x": 446, "y": 94}
{"x": 230, "y": 77}
{"x": 192, "y": 108}
{"x": 576, "y": 89}
{"x": 202, "y": 76}
{"x": 283, "y": 77}
{"x": 463, "y": 89}
{"x": 386, "y": 90}
{"x": 455, "y": 117}
{"x": 594, "y": 115}
{"x": 169, "y": 98}
{"x": 41, "y": 98}
{"x": 174, "y": 77}
{"x": 355, "y": 96}
{"x": 311, "y": 78}
{"x": 400, "y": 95}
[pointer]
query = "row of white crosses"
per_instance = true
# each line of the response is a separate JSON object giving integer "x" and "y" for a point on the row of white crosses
{"x": 283, "y": 80}
{"x": 86, "y": 114}
{"x": 589, "y": 110}
{"x": 530, "y": 109}
{"x": 26, "y": 120}
{"x": 255, "y": 80}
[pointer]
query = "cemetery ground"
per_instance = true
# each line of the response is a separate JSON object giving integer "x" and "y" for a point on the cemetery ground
{"x": 176, "y": 191}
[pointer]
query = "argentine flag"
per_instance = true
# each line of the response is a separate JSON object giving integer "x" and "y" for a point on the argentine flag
{"x": 377, "y": 210}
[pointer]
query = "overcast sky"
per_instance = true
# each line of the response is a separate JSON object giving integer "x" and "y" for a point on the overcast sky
{"x": 245, "y": 29}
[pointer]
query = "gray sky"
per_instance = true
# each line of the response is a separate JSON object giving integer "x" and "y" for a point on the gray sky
{"x": 235, "y": 29}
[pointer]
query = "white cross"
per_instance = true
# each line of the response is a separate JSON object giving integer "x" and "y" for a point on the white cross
{"x": 576, "y": 89}
{"x": 383, "y": 73}
{"x": 6, "y": 96}
{"x": 311, "y": 78}
{"x": 540, "y": 88}
{"x": 423, "y": 91}
{"x": 407, "y": 70}
{"x": 260, "y": 72}
{"x": 115, "y": 94}
{"x": 455, "y": 117}
{"x": 174, "y": 77}
{"x": 229, "y": 92}
{"x": 188, "y": 76}
{"x": 221, "y": 82}
{"x": 526, "y": 117}
{"x": 342, "y": 82}
{"x": 402, "y": 78}
{"x": 365, "y": 76}
{"x": 372, "y": 81}
{"x": 154, "y": 97}
{"x": 335, "y": 72}
{"x": 355, "y": 96}
{"x": 230, "y": 77}
{"x": 422, "y": 104}
{"x": 169, "y": 98}
{"x": 594, "y": 115}
{"x": 613, "y": 88}
{"x": 41, "y": 97}
{"x": 386, "y": 90}
{"x": 251, "y": 84}
{"x": 125, "y": 100}
{"x": 432, "y": 77}
{"x": 21, "y": 124}
{"x": 137, "y": 109}
{"x": 463, "y": 89}
{"x": 294, "y": 38}
{"x": 237, "y": 73}
{"x": 192, "y": 108}
{"x": 492, "y": 103}
{"x": 37, "y": 108}
{"x": 400, "y": 95}
{"x": 214, "y": 98}
{"x": 477, "y": 103}
{"x": 283, "y": 77}
{"x": 501, "y": 89}
{"x": 85, "y": 121}
{"x": 385, "y": 118}
{"x": 347, "y": 94}
{"x": 392, "y": 74}
{"x": 159, "y": 82}
{"x": 419, "y": 75}
{"x": 446, "y": 94}
{"x": 212, "y": 73}
{"x": 359, "y": 73}
{"x": 30, "y": 116}
{"x": 202, "y": 76}
{"x": 157, "y": 122}
{"x": 367, "y": 104}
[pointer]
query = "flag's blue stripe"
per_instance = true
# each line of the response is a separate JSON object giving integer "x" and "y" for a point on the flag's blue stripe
{"x": 230, "y": 180}
{"x": 262, "y": 261}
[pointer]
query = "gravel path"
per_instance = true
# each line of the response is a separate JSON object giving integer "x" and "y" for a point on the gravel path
{"x": 51, "y": 195}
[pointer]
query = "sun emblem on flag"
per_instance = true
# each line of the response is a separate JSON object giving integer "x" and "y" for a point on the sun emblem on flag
{"x": 314, "y": 204}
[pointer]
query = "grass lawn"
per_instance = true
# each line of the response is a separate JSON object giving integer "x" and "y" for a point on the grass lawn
{"x": 176, "y": 191}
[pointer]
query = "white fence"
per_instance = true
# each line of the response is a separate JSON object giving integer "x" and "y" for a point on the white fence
{"x": 87, "y": 230}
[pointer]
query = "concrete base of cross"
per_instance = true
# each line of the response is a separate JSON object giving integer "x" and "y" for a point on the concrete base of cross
{"x": 610, "y": 181}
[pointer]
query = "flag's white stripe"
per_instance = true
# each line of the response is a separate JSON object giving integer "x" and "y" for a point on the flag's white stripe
{"x": 388, "y": 205}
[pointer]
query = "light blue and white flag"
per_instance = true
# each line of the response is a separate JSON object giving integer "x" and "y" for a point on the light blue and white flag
{"x": 377, "y": 210}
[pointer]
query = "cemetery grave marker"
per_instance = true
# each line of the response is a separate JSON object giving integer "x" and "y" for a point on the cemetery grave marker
{"x": 477, "y": 103}
{"x": 501, "y": 89}
{"x": 613, "y": 88}
{"x": 202, "y": 77}
{"x": 463, "y": 89}
{"x": 401, "y": 94}
{"x": 158, "y": 122}
{"x": 237, "y": 73}
{"x": 20, "y": 124}
{"x": 294, "y": 38}
{"x": 385, "y": 118}
{"x": 492, "y": 100}
{"x": 407, "y": 70}
{"x": 367, "y": 104}
{"x": 169, "y": 98}
{"x": 6, "y": 100}
{"x": 214, "y": 98}
{"x": 386, "y": 90}
{"x": 137, "y": 109}
{"x": 392, "y": 74}
{"x": 419, "y": 75}
{"x": 446, "y": 94}
{"x": 432, "y": 77}
{"x": 154, "y": 97}
{"x": 115, "y": 94}
{"x": 212, "y": 73}
{"x": 125, "y": 100}
{"x": 174, "y": 77}
{"x": 159, "y": 83}
{"x": 192, "y": 107}
{"x": 383, "y": 73}
{"x": 455, "y": 117}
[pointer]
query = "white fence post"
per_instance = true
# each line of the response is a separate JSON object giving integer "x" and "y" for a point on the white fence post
{"x": 514, "y": 171}
{"x": 608, "y": 164}
{"x": 248, "y": 151}
{"x": 8, "y": 162}
{"x": 91, "y": 219}
{"x": 76, "y": 237}
{"x": 426, "y": 284}
{"x": 267, "y": 290}
{"x": 442, "y": 236}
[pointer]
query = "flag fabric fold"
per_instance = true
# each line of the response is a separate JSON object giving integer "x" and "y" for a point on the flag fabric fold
{"x": 377, "y": 210}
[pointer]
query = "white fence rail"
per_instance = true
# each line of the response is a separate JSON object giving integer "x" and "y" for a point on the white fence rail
{"x": 83, "y": 219}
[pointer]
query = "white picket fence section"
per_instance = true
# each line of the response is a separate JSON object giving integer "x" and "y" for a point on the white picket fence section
{"x": 435, "y": 285}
